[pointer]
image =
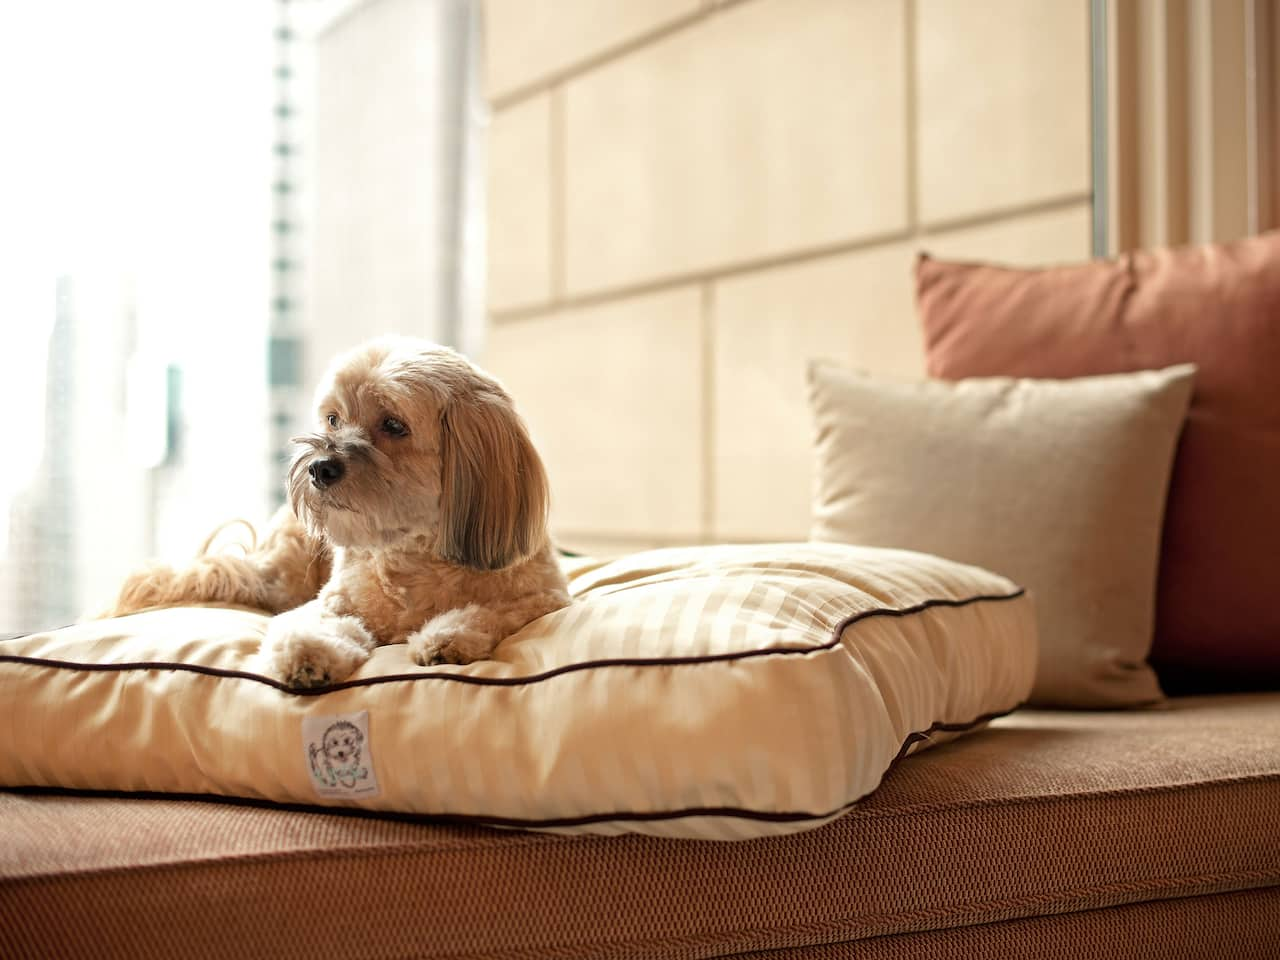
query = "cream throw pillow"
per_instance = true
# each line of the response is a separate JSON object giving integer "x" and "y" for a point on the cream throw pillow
{"x": 1057, "y": 484}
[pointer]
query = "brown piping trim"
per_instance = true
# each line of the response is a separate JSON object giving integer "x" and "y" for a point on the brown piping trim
{"x": 768, "y": 816}
{"x": 512, "y": 681}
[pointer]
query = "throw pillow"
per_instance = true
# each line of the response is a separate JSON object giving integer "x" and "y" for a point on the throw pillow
{"x": 1217, "y": 623}
{"x": 1059, "y": 485}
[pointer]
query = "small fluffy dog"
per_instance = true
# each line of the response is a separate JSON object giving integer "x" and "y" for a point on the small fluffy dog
{"x": 417, "y": 514}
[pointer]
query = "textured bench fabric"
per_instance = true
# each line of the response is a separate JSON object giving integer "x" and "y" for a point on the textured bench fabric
{"x": 1244, "y": 925}
{"x": 1045, "y": 814}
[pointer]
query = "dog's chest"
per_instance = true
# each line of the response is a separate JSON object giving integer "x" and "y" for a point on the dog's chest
{"x": 391, "y": 602}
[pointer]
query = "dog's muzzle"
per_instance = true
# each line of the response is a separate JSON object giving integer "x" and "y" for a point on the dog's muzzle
{"x": 326, "y": 472}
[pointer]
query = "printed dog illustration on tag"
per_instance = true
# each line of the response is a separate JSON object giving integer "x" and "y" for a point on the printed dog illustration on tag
{"x": 335, "y": 761}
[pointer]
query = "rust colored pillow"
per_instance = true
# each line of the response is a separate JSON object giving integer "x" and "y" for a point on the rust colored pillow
{"x": 1218, "y": 599}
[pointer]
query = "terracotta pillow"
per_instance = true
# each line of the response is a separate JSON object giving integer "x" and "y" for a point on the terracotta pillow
{"x": 1218, "y": 619}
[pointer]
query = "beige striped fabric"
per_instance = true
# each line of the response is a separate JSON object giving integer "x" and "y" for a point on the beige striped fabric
{"x": 712, "y": 692}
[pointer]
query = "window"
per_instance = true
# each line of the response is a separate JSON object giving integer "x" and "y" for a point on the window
{"x": 208, "y": 202}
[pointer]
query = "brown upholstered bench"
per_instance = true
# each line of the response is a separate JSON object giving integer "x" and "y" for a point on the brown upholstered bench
{"x": 1112, "y": 834}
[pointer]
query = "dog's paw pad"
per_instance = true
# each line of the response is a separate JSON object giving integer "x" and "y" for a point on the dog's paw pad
{"x": 455, "y": 636}
{"x": 306, "y": 653}
{"x": 307, "y": 676}
{"x": 455, "y": 647}
{"x": 436, "y": 656}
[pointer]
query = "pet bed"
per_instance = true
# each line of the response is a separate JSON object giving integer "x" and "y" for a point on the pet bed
{"x": 711, "y": 692}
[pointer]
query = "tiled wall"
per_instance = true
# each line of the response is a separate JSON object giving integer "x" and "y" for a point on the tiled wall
{"x": 689, "y": 199}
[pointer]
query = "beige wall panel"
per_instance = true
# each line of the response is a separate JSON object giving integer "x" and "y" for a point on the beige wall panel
{"x": 613, "y": 395}
{"x": 856, "y": 309}
{"x": 1029, "y": 240}
{"x": 1003, "y": 103}
{"x": 771, "y": 127}
{"x": 528, "y": 40}
{"x": 519, "y": 205}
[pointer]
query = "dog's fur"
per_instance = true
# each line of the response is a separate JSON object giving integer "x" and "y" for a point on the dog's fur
{"x": 434, "y": 535}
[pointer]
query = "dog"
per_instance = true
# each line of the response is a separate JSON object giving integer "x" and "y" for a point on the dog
{"x": 417, "y": 514}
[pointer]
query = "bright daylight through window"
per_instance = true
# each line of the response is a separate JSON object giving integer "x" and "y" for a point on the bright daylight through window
{"x": 201, "y": 205}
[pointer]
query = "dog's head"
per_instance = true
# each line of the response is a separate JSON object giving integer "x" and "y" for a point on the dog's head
{"x": 341, "y": 743}
{"x": 417, "y": 445}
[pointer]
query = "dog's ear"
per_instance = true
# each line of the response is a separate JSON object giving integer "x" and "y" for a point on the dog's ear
{"x": 493, "y": 495}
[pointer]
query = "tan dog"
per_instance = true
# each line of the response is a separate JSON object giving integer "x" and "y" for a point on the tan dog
{"x": 418, "y": 516}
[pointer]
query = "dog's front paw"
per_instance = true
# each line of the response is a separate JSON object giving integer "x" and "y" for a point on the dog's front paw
{"x": 456, "y": 636}
{"x": 307, "y": 651}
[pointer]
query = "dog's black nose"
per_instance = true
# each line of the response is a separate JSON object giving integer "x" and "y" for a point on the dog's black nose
{"x": 326, "y": 472}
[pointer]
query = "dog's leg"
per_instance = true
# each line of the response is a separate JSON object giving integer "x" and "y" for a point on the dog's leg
{"x": 308, "y": 647}
{"x": 285, "y": 570}
{"x": 470, "y": 633}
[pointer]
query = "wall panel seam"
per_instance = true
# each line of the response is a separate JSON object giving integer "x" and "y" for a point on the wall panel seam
{"x": 793, "y": 258}
{"x": 648, "y": 38}
{"x": 708, "y": 492}
{"x": 994, "y": 215}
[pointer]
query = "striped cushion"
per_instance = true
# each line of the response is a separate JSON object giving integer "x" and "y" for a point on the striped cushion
{"x": 712, "y": 692}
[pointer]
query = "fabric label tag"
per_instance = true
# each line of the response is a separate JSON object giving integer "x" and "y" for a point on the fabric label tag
{"x": 339, "y": 755}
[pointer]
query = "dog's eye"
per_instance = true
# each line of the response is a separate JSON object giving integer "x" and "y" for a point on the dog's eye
{"x": 393, "y": 427}
{"x": 333, "y": 419}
